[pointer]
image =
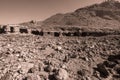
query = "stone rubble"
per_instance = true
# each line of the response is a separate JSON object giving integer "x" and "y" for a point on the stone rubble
{"x": 49, "y": 58}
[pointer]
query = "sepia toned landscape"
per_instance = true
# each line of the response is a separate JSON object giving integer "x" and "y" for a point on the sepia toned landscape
{"x": 80, "y": 45}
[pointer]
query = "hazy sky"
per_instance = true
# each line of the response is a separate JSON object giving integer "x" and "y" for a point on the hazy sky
{"x": 15, "y": 11}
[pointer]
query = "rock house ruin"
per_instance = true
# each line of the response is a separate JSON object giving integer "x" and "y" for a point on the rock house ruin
{"x": 20, "y": 29}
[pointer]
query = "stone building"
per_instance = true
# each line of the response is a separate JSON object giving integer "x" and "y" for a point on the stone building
{"x": 3, "y": 29}
{"x": 13, "y": 28}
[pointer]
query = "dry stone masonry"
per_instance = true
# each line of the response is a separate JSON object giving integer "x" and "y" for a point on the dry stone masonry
{"x": 20, "y": 29}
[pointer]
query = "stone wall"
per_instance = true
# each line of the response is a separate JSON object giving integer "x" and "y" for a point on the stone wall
{"x": 9, "y": 29}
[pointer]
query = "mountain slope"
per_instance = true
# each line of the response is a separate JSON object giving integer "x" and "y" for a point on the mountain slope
{"x": 106, "y": 14}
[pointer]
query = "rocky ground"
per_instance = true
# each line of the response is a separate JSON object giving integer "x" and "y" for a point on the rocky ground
{"x": 29, "y": 57}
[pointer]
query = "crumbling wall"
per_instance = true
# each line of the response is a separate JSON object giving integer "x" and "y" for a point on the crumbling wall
{"x": 69, "y": 33}
{"x": 41, "y": 33}
{"x": 12, "y": 29}
{"x": 35, "y": 32}
{"x": 3, "y": 29}
{"x": 23, "y": 30}
{"x": 56, "y": 34}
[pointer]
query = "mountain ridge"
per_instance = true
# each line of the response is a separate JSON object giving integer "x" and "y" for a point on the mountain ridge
{"x": 105, "y": 14}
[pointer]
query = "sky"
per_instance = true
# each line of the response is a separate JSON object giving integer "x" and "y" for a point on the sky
{"x": 17, "y": 11}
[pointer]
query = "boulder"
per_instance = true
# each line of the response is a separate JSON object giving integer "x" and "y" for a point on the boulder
{"x": 61, "y": 74}
{"x": 32, "y": 77}
{"x": 102, "y": 70}
{"x": 25, "y": 67}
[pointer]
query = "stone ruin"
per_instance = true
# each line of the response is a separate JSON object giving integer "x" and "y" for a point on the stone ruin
{"x": 19, "y": 29}
{"x": 4, "y": 29}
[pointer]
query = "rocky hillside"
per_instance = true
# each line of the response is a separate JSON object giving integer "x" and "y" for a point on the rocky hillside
{"x": 105, "y": 14}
